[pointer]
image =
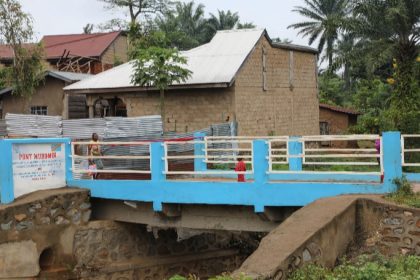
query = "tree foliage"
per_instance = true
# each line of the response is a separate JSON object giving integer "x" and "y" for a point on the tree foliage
{"x": 325, "y": 20}
{"x": 159, "y": 67}
{"x": 16, "y": 31}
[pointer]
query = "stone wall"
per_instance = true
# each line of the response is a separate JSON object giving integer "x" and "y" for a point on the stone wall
{"x": 329, "y": 228}
{"x": 387, "y": 228}
{"x": 103, "y": 249}
{"x": 289, "y": 103}
{"x": 36, "y": 231}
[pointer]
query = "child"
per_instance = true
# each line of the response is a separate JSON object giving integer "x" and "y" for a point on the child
{"x": 240, "y": 167}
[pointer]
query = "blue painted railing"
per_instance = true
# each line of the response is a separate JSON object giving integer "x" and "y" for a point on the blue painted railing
{"x": 262, "y": 191}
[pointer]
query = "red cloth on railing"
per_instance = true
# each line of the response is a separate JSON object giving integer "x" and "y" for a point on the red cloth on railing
{"x": 240, "y": 167}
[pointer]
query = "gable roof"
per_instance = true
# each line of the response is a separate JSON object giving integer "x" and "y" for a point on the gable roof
{"x": 86, "y": 45}
{"x": 68, "y": 77}
{"x": 216, "y": 62}
{"x": 339, "y": 109}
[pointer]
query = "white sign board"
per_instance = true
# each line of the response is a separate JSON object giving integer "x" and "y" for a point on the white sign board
{"x": 38, "y": 167}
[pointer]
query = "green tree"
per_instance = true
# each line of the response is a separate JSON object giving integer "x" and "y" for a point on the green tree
{"x": 159, "y": 68}
{"x": 185, "y": 27}
{"x": 15, "y": 31}
{"x": 224, "y": 20}
{"x": 392, "y": 29}
{"x": 88, "y": 28}
{"x": 325, "y": 20}
{"x": 245, "y": 25}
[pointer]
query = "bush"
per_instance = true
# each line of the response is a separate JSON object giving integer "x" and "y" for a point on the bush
{"x": 365, "y": 268}
{"x": 404, "y": 193}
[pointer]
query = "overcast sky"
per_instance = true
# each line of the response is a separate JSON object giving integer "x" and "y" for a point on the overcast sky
{"x": 69, "y": 16}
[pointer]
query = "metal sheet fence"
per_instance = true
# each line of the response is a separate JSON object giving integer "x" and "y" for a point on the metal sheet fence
{"x": 34, "y": 125}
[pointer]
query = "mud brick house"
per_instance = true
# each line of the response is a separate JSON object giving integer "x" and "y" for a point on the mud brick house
{"x": 336, "y": 120}
{"x": 241, "y": 75}
{"x": 48, "y": 99}
{"x": 81, "y": 53}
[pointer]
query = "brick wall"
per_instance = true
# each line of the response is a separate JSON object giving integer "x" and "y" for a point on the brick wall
{"x": 338, "y": 122}
{"x": 289, "y": 105}
{"x": 186, "y": 110}
{"x": 49, "y": 94}
{"x": 117, "y": 51}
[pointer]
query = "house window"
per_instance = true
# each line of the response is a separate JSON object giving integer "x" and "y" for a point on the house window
{"x": 39, "y": 110}
{"x": 324, "y": 128}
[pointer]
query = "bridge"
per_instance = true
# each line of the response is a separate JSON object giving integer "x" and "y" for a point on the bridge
{"x": 159, "y": 177}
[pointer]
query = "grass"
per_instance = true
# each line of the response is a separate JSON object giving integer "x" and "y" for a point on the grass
{"x": 373, "y": 267}
{"x": 220, "y": 277}
{"x": 404, "y": 194}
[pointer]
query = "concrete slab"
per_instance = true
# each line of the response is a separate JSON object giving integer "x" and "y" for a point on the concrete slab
{"x": 19, "y": 259}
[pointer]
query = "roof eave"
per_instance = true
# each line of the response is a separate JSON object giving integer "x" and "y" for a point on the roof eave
{"x": 145, "y": 89}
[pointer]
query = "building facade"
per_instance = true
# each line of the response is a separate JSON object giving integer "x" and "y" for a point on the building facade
{"x": 267, "y": 88}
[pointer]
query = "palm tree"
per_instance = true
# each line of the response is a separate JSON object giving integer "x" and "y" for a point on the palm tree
{"x": 186, "y": 26}
{"x": 325, "y": 21}
{"x": 391, "y": 29}
{"x": 245, "y": 25}
{"x": 223, "y": 21}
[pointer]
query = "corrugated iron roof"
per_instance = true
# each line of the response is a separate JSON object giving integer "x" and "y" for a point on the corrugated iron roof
{"x": 87, "y": 45}
{"x": 216, "y": 62}
{"x": 68, "y": 77}
{"x": 339, "y": 109}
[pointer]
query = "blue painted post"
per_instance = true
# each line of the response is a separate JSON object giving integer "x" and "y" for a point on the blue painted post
{"x": 199, "y": 163}
{"x": 68, "y": 155}
{"x": 295, "y": 149}
{"x": 392, "y": 163}
{"x": 260, "y": 165}
{"x": 157, "y": 165}
{"x": 6, "y": 173}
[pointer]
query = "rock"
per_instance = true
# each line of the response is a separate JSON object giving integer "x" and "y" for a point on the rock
{"x": 103, "y": 253}
{"x": 279, "y": 275}
{"x": 53, "y": 212}
{"x": 71, "y": 212}
{"x": 24, "y": 225}
{"x": 408, "y": 241}
{"x": 393, "y": 221}
{"x": 405, "y": 251}
{"x": 392, "y": 239}
{"x": 76, "y": 219}
{"x": 415, "y": 233}
{"x": 84, "y": 206}
{"x": 20, "y": 217}
{"x": 408, "y": 214}
{"x": 297, "y": 261}
{"x": 306, "y": 255}
{"x": 60, "y": 220}
{"x": 6, "y": 226}
{"x": 418, "y": 223}
{"x": 45, "y": 220}
{"x": 399, "y": 230}
{"x": 34, "y": 207}
{"x": 86, "y": 216}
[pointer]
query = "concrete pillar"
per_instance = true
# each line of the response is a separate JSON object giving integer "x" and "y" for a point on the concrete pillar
{"x": 68, "y": 160}
{"x": 157, "y": 165}
{"x": 392, "y": 162}
{"x": 6, "y": 173}
{"x": 260, "y": 165}
{"x": 199, "y": 163}
{"x": 295, "y": 149}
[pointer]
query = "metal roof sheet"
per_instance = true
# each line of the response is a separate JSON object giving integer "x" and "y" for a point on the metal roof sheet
{"x": 215, "y": 62}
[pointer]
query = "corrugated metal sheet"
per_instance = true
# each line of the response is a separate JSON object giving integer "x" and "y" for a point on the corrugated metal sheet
{"x": 34, "y": 125}
{"x": 3, "y": 128}
{"x": 215, "y": 62}
{"x": 68, "y": 76}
